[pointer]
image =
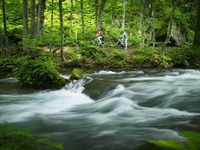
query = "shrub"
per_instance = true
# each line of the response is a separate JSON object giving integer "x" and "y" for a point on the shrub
{"x": 179, "y": 57}
{"x": 91, "y": 52}
{"x": 14, "y": 138}
{"x": 161, "y": 59}
{"x": 120, "y": 58}
{"x": 38, "y": 72}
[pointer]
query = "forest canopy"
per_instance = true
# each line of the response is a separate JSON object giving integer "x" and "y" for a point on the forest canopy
{"x": 145, "y": 21}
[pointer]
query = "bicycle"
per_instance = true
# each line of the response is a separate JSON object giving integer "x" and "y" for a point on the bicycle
{"x": 97, "y": 42}
{"x": 122, "y": 43}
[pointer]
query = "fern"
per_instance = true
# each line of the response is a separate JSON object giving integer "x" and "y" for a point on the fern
{"x": 168, "y": 145}
{"x": 141, "y": 58}
{"x": 193, "y": 139}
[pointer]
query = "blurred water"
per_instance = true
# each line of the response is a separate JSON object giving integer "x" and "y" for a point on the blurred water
{"x": 109, "y": 110}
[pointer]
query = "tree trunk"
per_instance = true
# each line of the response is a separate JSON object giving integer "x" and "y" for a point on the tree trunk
{"x": 2, "y": 33}
{"x": 130, "y": 14}
{"x": 143, "y": 22}
{"x": 169, "y": 29}
{"x": 25, "y": 17}
{"x": 196, "y": 40}
{"x": 123, "y": 14}
{"x": 62, "y": 31}
{"x": 38, "y": 31}
{"x": 5, "y": 39}
{"x": 25, "y": 26}
{"x": 1, "y": 43}
{"x": 82, "y": 17}
{"x": 40, "y": 17}
{"x": 101, "y": 11}
{"x": 96, "y": 12}
{"x": 5, "y": 32}
{"x": 52, "y": 8}
{"x": 152, "y": 21}
{"x": 33, "y": 19}
{"x": 39, "y": 10}
{"x": 71, "y": 17}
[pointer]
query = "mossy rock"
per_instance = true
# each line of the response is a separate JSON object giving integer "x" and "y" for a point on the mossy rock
{"x": 76, "y": 74}
{"x": 38, "y": 73}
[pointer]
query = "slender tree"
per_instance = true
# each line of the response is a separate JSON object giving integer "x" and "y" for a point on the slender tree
{"x": 123, "y": 14}
{"x": 43, "y": 17}
{"x": 101, "y": 11}
{"x": 7, "y": 51}
{"x": 130, "y": 13}
{"x": 25, "y": 26}
{"x": 143, "y": 21}
{"x": 169, "y": 29}
{"x": 39, "y": 12}
{"x": 96, "y": 12}
{"x": 82, "y": 17}
{"x": 1, "y": 43}
{"x": 33, "y": 30}
{"x": 61, "y": 30}
{"x": 2, "y": 31}
{"x": 52, "y": 10}
{"x": 152, "y": 24}
{"x": 196, "y": 40}
{"x": 25, "y": 17}
{"x": 40, "y": 17}
{"x": 71, "y": 17}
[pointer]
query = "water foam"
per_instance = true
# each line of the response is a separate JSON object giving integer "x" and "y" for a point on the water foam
{"x": 109, "y": 72}
{"x": 19, "y": 107}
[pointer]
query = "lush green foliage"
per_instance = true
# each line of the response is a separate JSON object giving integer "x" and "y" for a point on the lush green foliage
{"x": 192, "y": 139}
{"x": 161, "y": 58}
{"x": 38, "y": 72}
{"x": 112, "y": 20}
{"x": 85, "y": 55}
{"x": 92, "y": 57}
{"x": 119, "y": 58}
{"x": 76, "y": 74}
{"x": 15, "y": 138}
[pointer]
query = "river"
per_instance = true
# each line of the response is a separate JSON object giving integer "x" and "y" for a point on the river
{"x": 109, "y": 110}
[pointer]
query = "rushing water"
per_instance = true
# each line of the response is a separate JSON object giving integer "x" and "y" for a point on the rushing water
{"x": 109, "y": 110}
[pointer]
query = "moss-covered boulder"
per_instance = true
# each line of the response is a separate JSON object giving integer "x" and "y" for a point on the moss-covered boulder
{"x": 76, "y": 74}
{"x": 39, "y": 72}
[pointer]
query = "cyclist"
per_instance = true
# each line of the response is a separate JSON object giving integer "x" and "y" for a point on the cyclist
{"x": 124, "y": 40}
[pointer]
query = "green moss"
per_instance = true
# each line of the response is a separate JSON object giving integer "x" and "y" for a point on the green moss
{"x": 76, "y": 74}
{"x": 39, "y": 72}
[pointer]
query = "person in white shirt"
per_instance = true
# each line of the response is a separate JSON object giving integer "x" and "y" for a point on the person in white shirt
{"x": 123, "y": 40}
